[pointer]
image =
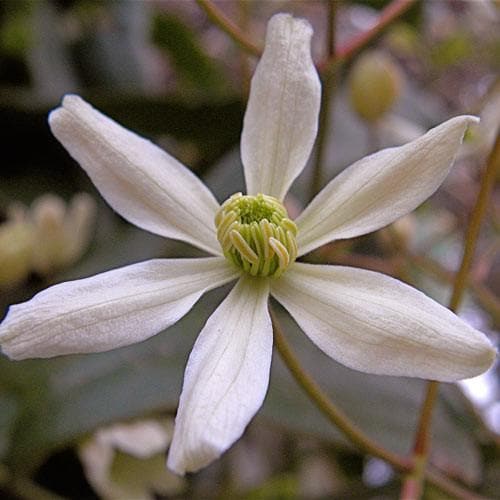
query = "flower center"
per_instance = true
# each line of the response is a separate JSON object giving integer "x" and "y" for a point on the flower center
{"x": 256, "y": 234}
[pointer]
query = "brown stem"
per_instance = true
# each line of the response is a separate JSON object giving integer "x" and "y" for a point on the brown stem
{"x": 474, "y": 226}
{"x": 230, "y": 28}
{"x": 389, "y": 14}
{"x": 332, "y": 16}
{"x": 329, "y": 83}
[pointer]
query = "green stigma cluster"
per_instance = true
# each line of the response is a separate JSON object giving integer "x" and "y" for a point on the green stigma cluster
{"x": 256, "y": 234}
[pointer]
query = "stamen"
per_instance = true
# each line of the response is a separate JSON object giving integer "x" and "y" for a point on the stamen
{"x": 281, "y": 252}
{"x": 256, "y": 234}
{"x": 242, "y": 246}
{"x": 267, "y": 232}
{"x": 225, "y": 222}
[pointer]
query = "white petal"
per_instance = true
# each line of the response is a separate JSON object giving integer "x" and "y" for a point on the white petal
{"x": 226, "y": 378}
{"x": 376, "y": 324}
{"x": 382, "y": 187}
{"x": 143, "y": 183}
{"x": 141, "y": 439}
{"x": 281, "y": 120}
{"x": 109, "y": 310}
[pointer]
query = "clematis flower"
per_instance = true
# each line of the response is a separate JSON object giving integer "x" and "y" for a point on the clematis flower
{"x": 365, "y": 320}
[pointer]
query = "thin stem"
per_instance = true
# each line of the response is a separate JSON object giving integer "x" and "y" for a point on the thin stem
{"x": 332, "y": 20}
{"x": 389, "y": 14}
{"x": 324, "y": 125}
{"x": 325, "y": 115}
{"x": 450, "y": 487}
{"x": 476, "y": 219}
{"x": 226, "y": 25}
{"x": 243, "y": 22}
{"x": 422, "y": 442}
{"x": 413, "y": 483}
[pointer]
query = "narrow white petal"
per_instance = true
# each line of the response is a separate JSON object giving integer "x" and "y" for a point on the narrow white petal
{"x": 281, "y": 120}
{"x": 109, "y": 310}
{"x": 226, "y": 378}
{"x": 143, "y": 183}
{"x": 376, "y": 324}
{"x": 382, "y": 187}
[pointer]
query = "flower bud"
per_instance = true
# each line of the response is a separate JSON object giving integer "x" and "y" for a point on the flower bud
{"x": 62, "y": 231}
{"x": 47, "y": 213}
{"x": 374, "y": 85}
{"x": 16, "y": 249}
{"x": 127, "y": 460}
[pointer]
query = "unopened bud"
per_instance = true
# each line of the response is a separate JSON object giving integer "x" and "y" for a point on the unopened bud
{"x": 127, "y": 460}
{"x": 16, "y": 249}
{"x": 374, "y": 85}
{"x": 62, "y": 232}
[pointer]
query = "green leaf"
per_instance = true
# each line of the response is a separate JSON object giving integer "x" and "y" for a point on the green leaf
{"x": 25, "y": 384}
{"x": 8, "y": 413}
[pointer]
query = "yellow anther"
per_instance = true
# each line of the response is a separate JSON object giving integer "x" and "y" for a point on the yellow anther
{"x": 267, "y": 233}
{"x": 281, "y": 252}
{"x": 225, "y": 224}
{"x": 291, "y": 245}
{"x": 243, "y": 247}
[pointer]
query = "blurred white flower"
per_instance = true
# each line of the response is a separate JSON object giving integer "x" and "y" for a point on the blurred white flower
{"x": 61, "y": 231}
{"x": 127, "y": 461}
{"x": 46, "y": 237}
{"x": 365, "y": 320}
{"x": 16, "y": 250}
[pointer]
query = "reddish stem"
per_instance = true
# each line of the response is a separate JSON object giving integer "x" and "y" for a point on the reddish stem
{"x": 390, "y": 13}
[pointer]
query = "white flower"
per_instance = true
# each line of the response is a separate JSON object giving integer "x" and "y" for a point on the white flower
{"x": 16, "y": 248}
{"x": 125, "y": 461}
{"x": 365, "y": 320}
{"x": 47, "y": 236}
{"x": 60, "y": 231}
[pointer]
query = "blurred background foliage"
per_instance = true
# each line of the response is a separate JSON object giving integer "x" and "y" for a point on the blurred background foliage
{"x": 162, "y": 69}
